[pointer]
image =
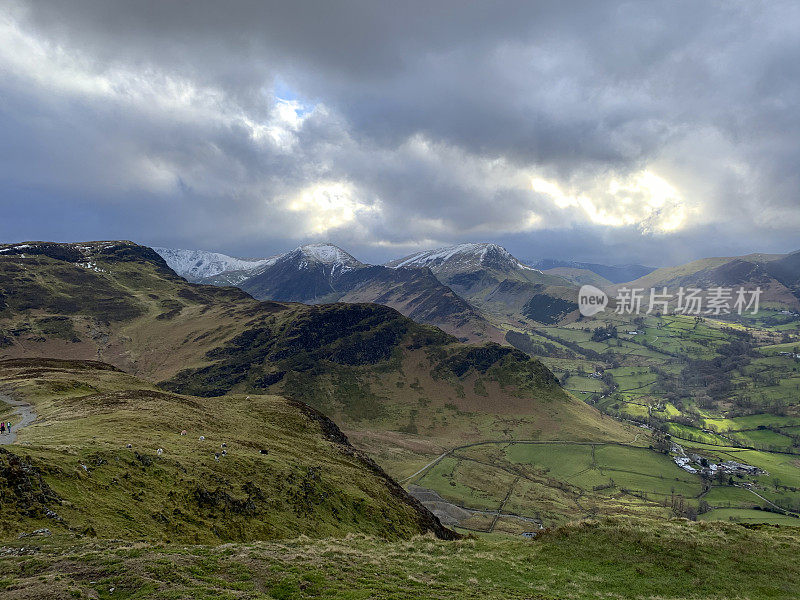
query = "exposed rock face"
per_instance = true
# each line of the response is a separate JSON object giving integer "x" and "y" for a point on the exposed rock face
{"x": 22, "y": 488}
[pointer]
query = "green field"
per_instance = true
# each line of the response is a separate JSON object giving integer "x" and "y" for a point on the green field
{"x": 740, "y": 515}
{"x": 555, "y": 482}
{"x": 726, "y": 496}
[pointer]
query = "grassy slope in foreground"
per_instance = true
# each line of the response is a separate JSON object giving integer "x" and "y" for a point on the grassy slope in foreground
{"x": 74, "y": 462}
{"x": 595, "y": 559}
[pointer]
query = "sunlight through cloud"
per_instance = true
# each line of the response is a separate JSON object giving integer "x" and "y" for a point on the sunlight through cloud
{"x": 329, "y": 205}
{"x": 643, "y": 199}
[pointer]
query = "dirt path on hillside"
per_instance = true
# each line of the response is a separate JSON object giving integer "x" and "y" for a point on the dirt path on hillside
{"x": 25, "y": 411}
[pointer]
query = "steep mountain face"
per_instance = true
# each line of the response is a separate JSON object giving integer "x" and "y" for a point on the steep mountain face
{"x": 787, "y": 271}
{"x": 776, "y": 275}
{"x": 489, "y": 277}
{"x": 419, "y": 295}
{"x": 307, "y": 274}
{"x": 612, "y": 273}
{"x": 199, "y": 265}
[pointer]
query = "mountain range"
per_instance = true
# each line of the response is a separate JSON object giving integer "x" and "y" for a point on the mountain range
{"x": 474, "y": 291}
{"x": 190, "y": 413}
{"x": 464, "y": 289}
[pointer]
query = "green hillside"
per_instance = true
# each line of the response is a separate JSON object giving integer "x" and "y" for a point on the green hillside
{"x": 775, "y": 274}
{"x": 229, "y": 468}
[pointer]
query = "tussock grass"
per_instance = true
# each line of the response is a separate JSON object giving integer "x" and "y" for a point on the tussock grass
{"x": 608, "y": 558}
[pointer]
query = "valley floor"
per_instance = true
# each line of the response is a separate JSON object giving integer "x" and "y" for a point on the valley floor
{"x": 610, "y": 558}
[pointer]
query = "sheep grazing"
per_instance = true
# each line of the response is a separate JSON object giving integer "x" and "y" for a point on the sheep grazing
{"x": 262, "y": 451}
{"x": 224, "y": 453}
{"x": 183, "y": 432}
{"x": 129, "y": 446}
{"x": 160, "y": 451}
{"x": 216, "y": 455}
{"x": 202, "y": 438}
{"x": 223, "y": 445}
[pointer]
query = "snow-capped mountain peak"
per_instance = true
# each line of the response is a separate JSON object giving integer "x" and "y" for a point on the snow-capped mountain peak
{"x": 329, "y": 255}
{"x": 196, "y": 265}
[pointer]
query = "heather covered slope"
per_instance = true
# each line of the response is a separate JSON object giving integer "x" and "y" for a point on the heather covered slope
{"x": 107, "y": 458}
{"x": 112, "y": 301}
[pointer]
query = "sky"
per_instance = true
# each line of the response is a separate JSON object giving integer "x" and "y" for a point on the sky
{"x": 612, "y": 132}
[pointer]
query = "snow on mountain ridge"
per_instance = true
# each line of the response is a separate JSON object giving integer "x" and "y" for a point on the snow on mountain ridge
{"x": 461, "y": 253}
{"x": 195, "y": 265}
{"x": 198, "y": 265}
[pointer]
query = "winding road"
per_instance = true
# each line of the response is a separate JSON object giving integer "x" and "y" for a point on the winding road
{"x": 25, "y": 411}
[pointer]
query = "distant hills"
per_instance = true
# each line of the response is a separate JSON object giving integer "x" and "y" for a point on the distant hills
{"x": 614, "y": 274}
{"x": 324, "y": 273}
{"x": 492, "y": 280}
{"x": 449, "y": 287}
{"x": 778, "y": 276}
{"x": 201, "y": 265}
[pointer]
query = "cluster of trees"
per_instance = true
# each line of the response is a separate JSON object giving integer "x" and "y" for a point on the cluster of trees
{"x": 601, "y": 334}
{"x": 707, "y": 380}
{"x": 681, "y": 508}
{"x": 748, "y": 403}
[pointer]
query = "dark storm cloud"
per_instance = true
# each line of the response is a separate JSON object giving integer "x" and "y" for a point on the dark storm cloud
{"x": 248, "y": 126}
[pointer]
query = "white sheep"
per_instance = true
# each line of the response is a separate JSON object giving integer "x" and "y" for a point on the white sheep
{"x": 160, "y": 451}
